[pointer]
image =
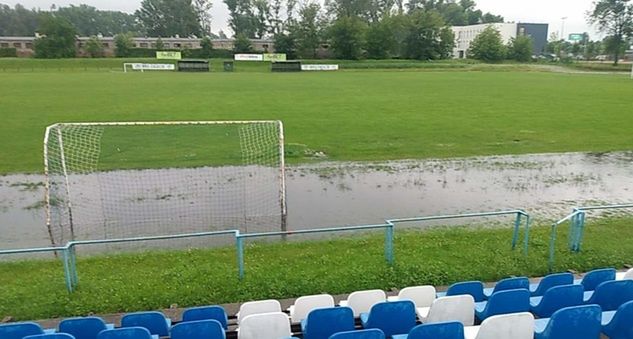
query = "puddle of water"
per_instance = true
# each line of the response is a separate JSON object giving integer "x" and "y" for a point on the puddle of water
{"x": 341, "y": 193}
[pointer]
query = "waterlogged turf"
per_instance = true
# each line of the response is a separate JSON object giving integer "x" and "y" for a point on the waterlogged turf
{"x": 347, "y": 115}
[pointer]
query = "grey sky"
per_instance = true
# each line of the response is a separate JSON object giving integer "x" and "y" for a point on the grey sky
{"x": 547, "y": 11}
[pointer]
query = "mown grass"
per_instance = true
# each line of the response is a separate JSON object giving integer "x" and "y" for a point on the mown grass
{"x": 377, "y": 115}
{"x": 601, "y": 67}
{"x": 153, "y": 280}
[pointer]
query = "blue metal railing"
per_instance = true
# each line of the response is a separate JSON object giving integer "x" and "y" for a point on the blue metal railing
{"x": 573, "y": 217}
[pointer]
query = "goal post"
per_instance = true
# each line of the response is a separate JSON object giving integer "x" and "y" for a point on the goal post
{"x": 128, "y": 179}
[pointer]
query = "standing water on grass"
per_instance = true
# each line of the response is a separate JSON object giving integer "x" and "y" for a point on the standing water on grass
{"x": 353, "y": 193}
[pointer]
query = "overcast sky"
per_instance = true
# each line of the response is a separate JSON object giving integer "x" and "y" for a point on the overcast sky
{"x": 538, "y": 11}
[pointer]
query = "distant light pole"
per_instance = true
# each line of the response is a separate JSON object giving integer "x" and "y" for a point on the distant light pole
{"x": 562, "y": 29}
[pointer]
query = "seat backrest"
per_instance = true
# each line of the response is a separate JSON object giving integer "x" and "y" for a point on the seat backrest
{"x": 19, "y": 330}
{"x": 360, "y": 334}
{"x": 559, "y": 297}
{"x": 443, "y": 330}
{"x": 50, "y": 336}
{"x": 198, "y": 329}
{"x": 264, "y": 325}
{"x": 303, "y": 305}
{"x": 206, "y": 313}
{"x": 154, "y": 322}
{"x": 82, "y": 328}
{"x": 362, "y": 301}
{"x": 620, "y": 325}
{"x": 505, "y": 326}
{"x": 422, "y": 296}
{"x": 629, "y": 274}
{"x": 125, "y": 333}
{"x": 473, "y": 288}
{"x": 507, "y": 301}
{"x": 592, "y": 279}
{"x": 556, "y": 279}
{"x": 392, "y": 317}
{"x": 578, "y": 322}
{"x": 453, "y": 308}
{"x": 323, "y": 322}
{"x": 512, "y": 284}
{"x": 612, "y": 294}
{"x": 257, "y": 307}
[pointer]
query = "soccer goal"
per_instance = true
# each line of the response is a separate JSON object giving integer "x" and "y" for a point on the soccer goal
{"x": 122, "y": 180}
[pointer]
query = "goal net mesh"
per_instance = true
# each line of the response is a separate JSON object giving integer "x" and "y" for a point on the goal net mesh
{"x": 118, "y": 180}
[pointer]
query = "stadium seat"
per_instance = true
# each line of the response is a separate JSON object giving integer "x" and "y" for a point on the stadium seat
{"x": 127, "y": 333}
{"x": 396, "y": 317}
{"x": 556, "y": 279}
{"x": 198, "y": 329}
{"x": 508, "y": 284}
{"x": 445, "y": 330}
{"x": 618, "y": 324}
{"x": 628, "y": 275}
{"x": 610, "y": 294}
{"x": 360, "y": 334}
{"x": 206, "y": 313}
{"x": 452, "y": 308}
{"x": 323, "y": 322}
{"x": 592, "y": 279}
{"x": 85, "y": 327}
{"x": 422, "y": 296}
{"x": 473, "y": 288}
{"x": 504, "y": 302}
{"x": 50, "y": 336}
{"x": 155, "y": 322}
{"x": 556, "y": 298}
{"x": 503, "y": 326}
{"x": 577, "y": 322}
{"x": 303, "y": 306}
{"x": 257, "y": 307}
{"x": 362, "y": 301}
{"x": 19, "y": 330}
{"x": 274, "y": 325}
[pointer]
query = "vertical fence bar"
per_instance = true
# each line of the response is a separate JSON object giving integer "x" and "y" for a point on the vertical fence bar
{"x": 73, "y": 265}
{"x": 526, "y": 237}
{"x": 239, "y": 244}
{"x": 552, "y": 242}
{"x": 67, "y": 272}
{"x": 517, "y": 224}
{"x": 389, "y": 233}
{"x": 581, "y": 230}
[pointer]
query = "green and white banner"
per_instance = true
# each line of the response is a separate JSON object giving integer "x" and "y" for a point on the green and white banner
{"x": 274, "y": 57}
{"x": 168, "y": 55}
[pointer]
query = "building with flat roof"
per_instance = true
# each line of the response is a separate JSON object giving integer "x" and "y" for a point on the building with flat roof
{"x": 465, "y": 35}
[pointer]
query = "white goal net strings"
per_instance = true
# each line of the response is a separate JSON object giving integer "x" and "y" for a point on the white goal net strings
{"x": 109, "y": 181}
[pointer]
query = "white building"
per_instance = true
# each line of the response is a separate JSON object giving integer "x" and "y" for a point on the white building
{"x": 465, "y": 35}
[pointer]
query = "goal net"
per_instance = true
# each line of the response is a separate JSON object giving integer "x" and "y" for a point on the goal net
{"x": 122, "y": 180}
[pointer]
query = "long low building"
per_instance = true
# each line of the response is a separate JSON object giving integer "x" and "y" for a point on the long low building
{"x": 465, "y": 35}
{"x": 24, "y": 45}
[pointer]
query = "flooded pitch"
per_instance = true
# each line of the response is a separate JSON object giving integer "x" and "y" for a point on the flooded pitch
{"x": 352, "y": 193}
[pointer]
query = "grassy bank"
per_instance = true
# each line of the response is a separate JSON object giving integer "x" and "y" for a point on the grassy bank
{"x": 143, "y": 281}
{"x": 601, "y": 66}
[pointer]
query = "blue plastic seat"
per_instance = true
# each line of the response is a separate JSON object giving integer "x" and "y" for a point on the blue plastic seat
{"x": 577, "y": 322}
{"x": 592, "y": 279}
{"x": 153, "y": 321}
{"x": 618, "y": 324}
{"x": 126, "y": 333}
{"x": 473, "y": 288}
{"x": 84, "y": 328}
{"x": 19, "y": 330}
{"x": 396, "y": 317}
{"x": 508, "y": 284}
{"x": 504, "y": 302}
{"x": 611, "y": 294}
{"x": 556, "y": 279}
{"x": 556, "y": 298}
{"x": 206, "y": 313}
{"x": 199, "y": 329}
{"x": 50, "y": 336}
{"x": 360, "y": 334}
{"x": 323, "y": 322}
{"x": 443, "y": 330}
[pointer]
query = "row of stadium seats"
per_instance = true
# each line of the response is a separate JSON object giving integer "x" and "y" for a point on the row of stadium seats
{"x": 507, "y": 310}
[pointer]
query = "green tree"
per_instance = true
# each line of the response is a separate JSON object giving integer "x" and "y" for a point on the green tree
{"x": 520, "y": 48}
{"x": 207, "y": 47}
{"x": 286, "y": 43}
{"x": 58, "y": 38}
{"x": 241, "y": 17}
{"x": 347, "y": 37}
{"x": 615, "y": 18}
{"x": 18, "y": 21}
{"x": 308, "y": 30}
{"x": 242, "y": 44}
{"x": 380, "y": 40}
{"x": 94, "y": 47}
{"x": 172, "y": 17}
{"x": 123, "y": 44}
{"x": 160, "y": 45}
{"x": 488, "y": 46}
{"x": 90, "y": 21}
{"x": 427, "y": 37}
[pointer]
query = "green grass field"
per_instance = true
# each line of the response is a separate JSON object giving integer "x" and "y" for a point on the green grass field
{"x": 348, "y": 115}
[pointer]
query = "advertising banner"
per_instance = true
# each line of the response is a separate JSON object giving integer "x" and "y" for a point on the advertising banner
{"x": 168, "y": 55}
{"x": 249, "y": 57}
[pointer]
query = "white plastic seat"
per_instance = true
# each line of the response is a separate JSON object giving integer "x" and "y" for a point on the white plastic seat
{"x": 257, "y": 307}
{"x": 453, "y": 308}
{"x": 624, "y": 275}
{"x": 513, "y": 325}
{"x": 362, "y": 301}
{"x": 303, "y": 306}
{"x": 265, "y": 326}
{"x": 422, "y": 296}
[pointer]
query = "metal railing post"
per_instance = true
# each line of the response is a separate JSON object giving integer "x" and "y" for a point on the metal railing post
{"x": 552, "y": 242}
{"x": 389, "y": 233}
{"x": 67, "y": 272}
{"x": 517, "y": 224}
{"x": 526, "y": 237}
{"x": 239, "y": 242}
